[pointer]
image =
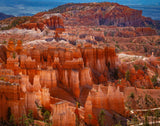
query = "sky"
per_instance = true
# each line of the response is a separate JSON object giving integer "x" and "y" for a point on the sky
{"x": 30, "y": 7}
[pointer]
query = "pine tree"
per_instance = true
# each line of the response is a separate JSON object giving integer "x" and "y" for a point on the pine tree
{"x": 101, "y": 118}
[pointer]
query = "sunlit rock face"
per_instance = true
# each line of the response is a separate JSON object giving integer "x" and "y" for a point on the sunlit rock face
{"x": 57, "y": 77}
{"x": 48, "y": 79}
{"x": 54, "y": 21}
{"x": 61, "y": 64}
{"x": 11, "y": 99}
{"x": 107, "y": 97}
{"x": 110, "y": 14}
{"x": 86, "y": 77}
{"x": 40, "y": 72}
{"x": 50, "y": 21}
{"x": 19, "y": 47}
{"x": 63, "y": 114}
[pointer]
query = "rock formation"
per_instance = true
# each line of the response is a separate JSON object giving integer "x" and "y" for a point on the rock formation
{"x": 78, "y": 75}
{"x": 102, "y": 14}
{"x": 52, "y": 22}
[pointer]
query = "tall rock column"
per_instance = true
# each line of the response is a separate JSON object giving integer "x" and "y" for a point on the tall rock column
{"x": 88, "y": 115}
{"x": 48, "y": 79}
{"x": 36, "y": 83}
{"x": 46, "y": 98}
{"x": 86, "y": 77}
{"x": 74, "y": 83}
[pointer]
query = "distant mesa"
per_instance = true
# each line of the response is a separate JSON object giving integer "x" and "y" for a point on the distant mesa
{"x": 25, "y": 14}
{"x": 4, "y": 16}
{"x": 95, "y": 14}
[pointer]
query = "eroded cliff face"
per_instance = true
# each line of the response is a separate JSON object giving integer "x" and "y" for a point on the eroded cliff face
{"x": 50, "y": 21}
{"x": 55, "y": 75}
{"x": 102, "y": 14}
{"x": 93, "y": 62}
{"x": 43, "y": 71}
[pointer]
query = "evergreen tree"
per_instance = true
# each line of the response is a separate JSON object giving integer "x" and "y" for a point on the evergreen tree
{"x": 30, "y": 118}
{"x": 127, "y": 75}
{"x": 12, "y": 121}
{"x": 46, "y": 116}
{"x": 101, "y": 118}
{"x": 146, "y": 123}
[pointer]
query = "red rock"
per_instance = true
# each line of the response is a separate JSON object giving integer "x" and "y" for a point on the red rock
{"x": 86, "y": 77}
{"x": 63, "y": 108}
{"x": 74, "y": 83}
{"x": 11, "y": 46}
{"x": 108, "y": 98}
{"x": 145, "y": 31}
{"x": 48, "y": 79}
{"x": 15, "y": 103}
{"x": 49, "y": 72}
{"x": 88, "y": 112}
{"x": 116, "y": 100}
{"x": 45, "y": 98}
{"x": 35, "y": 54}
{"x": 103, "y": 14}
{"x": 29, "y": 26}
{"x": 3, "y": 53}
{"x": 54, "y": 23}
{"x": 36, "y": 83}
{"x": 19, "y": 47}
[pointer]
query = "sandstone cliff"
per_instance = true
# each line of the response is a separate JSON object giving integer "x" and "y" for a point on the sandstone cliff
{"x": 102, "y": 14}
{"x": 50, "y": 21}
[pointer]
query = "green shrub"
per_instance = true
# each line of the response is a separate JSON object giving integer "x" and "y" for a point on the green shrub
{"x": 105, "y": 33}
{"x": 4, "y": 42}
{"x": 117, "y": 46}
{"x": 14, "y": 55}
{"x": 132, "y": 95}
{"x": 154, "y": 80}
{"x": 127, "y": 75}
{"x": 1, "y": 78}
{"x": 136, "y": 67}
{"x": 101, "y": 118}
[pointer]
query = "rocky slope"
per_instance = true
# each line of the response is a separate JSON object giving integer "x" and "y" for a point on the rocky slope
{"x": 12, "y": 22}
{"x": 102, "y": 14}
{"x": 136, "y": 40}
{"x": 38, "y": 21}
